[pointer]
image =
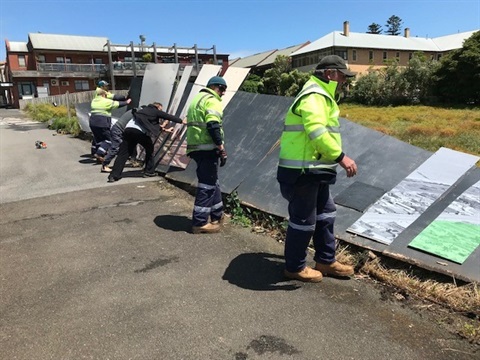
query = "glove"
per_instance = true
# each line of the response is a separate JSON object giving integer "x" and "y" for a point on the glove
{"x": 222, "y": 154}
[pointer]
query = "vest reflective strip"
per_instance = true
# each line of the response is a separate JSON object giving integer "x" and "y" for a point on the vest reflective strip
{"x": 201, "y": 209}
{"x": 202, "y": 147}
{"x": 301, "y": 227}
{"x": 217, "y": 206}
{"x": 326, "y": 216}
{"x": 214, "y": 112}
{"x": 314, "y": 134}
{"x": 197, "y": 123}
{"x": 304, "y": 164}
{"x": 206, "y": 186}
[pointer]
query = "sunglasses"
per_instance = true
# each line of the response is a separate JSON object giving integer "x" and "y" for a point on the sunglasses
{"x": 222, "y": 88}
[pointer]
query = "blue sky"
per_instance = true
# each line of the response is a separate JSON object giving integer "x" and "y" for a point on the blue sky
{"x": 238, "y": 28}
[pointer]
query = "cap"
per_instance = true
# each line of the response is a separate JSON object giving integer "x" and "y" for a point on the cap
{"x": 102, "y": 83}
{"x": 334, "y": 62}
{"x": 217, "y": 80}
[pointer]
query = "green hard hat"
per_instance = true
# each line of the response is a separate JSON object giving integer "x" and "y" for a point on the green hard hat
{"x": 217, "y": 80}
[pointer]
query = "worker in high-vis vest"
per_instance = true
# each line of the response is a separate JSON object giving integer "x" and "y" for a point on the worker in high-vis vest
{"x": 205, "y": 145}
{"x": 310, "y": 149}
{"x": 101, "y": 118}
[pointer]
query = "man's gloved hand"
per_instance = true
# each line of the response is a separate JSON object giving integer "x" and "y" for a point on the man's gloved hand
{"x": 222, "y": 154}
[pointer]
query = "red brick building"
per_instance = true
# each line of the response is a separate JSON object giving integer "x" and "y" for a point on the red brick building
{"x": 50, "y": 64}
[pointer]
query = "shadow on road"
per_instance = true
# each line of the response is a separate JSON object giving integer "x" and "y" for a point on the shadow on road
{"x": 258, "y": 271}
{"x": 173, "y": 222}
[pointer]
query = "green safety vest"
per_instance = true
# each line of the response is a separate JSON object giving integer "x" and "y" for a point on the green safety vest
{"x": 206, "y": 106}
{"x": 103, "y": 106}
{"x": 311, "y": 136}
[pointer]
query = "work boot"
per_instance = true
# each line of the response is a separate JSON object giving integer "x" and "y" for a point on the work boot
{"x": 306, "y": 275}
{"x": 220, "y": 221}
{"x": 99, "y": 158}
{"x": 106, "y": 169}
{"x": 335, "y": 269}
{"x": 206, "y": 229}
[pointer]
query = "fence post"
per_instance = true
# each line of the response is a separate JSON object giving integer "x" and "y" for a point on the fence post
{"x": 67, "y": 96}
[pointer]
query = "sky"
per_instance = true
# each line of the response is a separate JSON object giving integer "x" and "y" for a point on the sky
{"x": 239, "y": 28}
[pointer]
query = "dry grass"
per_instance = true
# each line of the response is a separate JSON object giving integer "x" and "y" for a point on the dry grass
{"x": 426, "y": 127}
{"x": 459, "y": 298}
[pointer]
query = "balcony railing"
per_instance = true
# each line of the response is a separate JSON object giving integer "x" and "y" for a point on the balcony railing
{"x": 61, "y": 67}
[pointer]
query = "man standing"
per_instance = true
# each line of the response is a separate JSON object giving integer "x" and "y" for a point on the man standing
{"x": 205, "y": 145}
{"x": 310, "y": 149}
{"x": 101, "y": 118}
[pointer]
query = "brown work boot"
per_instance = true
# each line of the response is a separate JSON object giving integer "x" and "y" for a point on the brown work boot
{"x": 220, "y": 221}
{"x": 335, "y": 269}
{"x": 306, "y": 275}
{"x": 206, "y": 229}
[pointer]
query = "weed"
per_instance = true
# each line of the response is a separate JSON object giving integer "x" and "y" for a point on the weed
{"x": 57, "y": 116}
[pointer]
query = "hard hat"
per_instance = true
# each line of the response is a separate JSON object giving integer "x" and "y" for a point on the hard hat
{"x": 102, "y": 83}
{"x": 217, "y": 80}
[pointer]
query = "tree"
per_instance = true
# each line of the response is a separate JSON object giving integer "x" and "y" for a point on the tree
{"x": 374, "y": 28}
{"x": 458, "y": 78}
{"x": 394, "y": 25}
{"x": 272, "y": 76}
{"x": 253, "y": 84}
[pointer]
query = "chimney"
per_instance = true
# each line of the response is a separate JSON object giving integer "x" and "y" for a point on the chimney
{"x": 346, "y": 28}
{"x": 407, "y": 32}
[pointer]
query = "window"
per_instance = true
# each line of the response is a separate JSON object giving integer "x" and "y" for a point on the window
{"x": 25, "y": 89}
{"x": 342, "y": 54}
{"x": 385, "y": 55}
{"x": 354, "y": 55}
{"x": 439, "y": 56}
{"x": 219, "y": 61}
{"x": 68, "y": 60}
{"x": 397, "y": 55}
{"x": 370, "y": 55}
{"x": 21, "y": 61}
{"x": 82, "y": 85}
{"x": 65, "y": 83}
{"x": 41, "y": 58}
{"x": 59, "y": 60}
{"x": 410, "y": 56}
{"x": 98, "y": 61}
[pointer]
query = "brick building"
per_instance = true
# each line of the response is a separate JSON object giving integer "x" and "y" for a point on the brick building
{"x": 51, "y": 64}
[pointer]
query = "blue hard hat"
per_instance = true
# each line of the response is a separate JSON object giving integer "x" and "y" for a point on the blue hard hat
{"x": 217, "y": 80}
{"x": 102, "y": 83}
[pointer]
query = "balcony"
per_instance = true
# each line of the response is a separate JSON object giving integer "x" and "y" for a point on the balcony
{"x": 62, "y": 67}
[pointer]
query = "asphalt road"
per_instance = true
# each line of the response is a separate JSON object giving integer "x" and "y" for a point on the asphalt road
{"x": 91, "y": 270}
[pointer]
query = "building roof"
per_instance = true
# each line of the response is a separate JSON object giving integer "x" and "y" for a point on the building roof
{"x": 17, "y": 46}
{"x": 378, "y": 41}
{"x": 286, "y": 52}
{"x": 265, "y": 58}
{"x": 454, "y": 41}
{"x": 253, "y": 60}
{"x": 67, "y": 42}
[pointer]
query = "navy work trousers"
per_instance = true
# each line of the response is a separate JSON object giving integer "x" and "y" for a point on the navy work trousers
{"x": 208, "y": 198}
{"x": 311, "y": 213}
{"x": 117, "y": 138}
{"x": 132, "y": 137}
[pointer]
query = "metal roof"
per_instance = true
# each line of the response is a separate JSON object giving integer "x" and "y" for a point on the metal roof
{"x": 253, "y": 60}
{"x": 17, "y": 46}
{"x": 454, "y": 41}
{"x": 67, "y": 42}
{"x": 286, "y": 52}
{"x": 378, "y": 41}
